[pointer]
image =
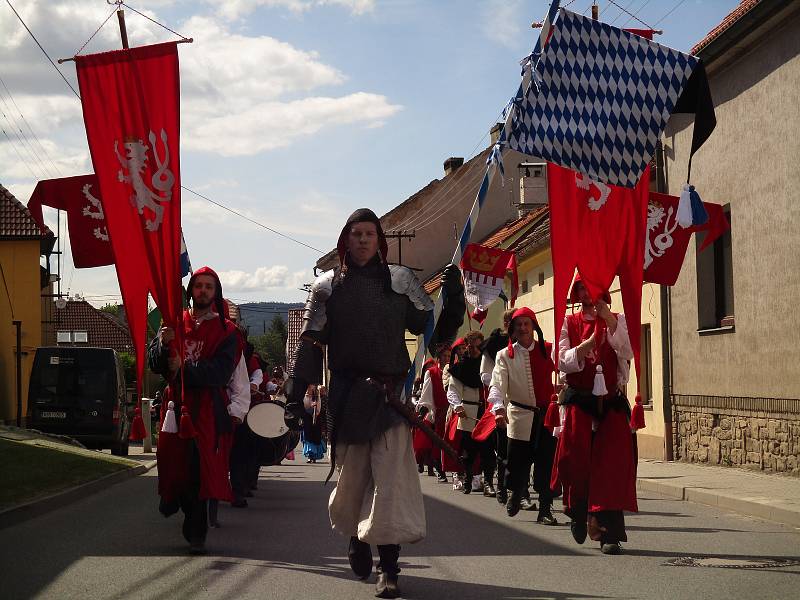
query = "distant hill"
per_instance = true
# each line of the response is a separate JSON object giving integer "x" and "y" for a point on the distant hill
{"x": 258, "y": 315}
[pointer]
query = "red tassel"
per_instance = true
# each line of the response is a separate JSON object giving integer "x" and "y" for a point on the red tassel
{"x": 552, "y": 418}
{"x": 637, "y": 414}
{"x": 186, "y": 430}
{"x": 138, "y": 432}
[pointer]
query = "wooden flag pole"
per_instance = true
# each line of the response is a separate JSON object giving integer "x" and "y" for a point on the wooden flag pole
{"x": 123, "y": 32}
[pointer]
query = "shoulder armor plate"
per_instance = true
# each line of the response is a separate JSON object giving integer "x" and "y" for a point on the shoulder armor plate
{"x": 314, "y": 316}
{"x": 405, "y": 282}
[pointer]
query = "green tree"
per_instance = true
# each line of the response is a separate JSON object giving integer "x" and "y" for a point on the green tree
{"x": 129, "y": 366}
{"x": 112, "y": 309}
{"x": 272, "y": 345}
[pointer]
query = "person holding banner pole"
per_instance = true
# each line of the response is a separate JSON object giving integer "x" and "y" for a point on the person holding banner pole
{"x": 596, "y": 455}
{"x": 193, "y": 447}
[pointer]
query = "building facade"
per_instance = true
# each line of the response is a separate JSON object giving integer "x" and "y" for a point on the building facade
{"x": 735, "y": 361}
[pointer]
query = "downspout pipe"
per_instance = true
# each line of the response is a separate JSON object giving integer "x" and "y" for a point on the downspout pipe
{"x": 666, "y": 326}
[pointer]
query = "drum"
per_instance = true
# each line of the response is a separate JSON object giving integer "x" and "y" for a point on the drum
{"x": 271, "y": 437}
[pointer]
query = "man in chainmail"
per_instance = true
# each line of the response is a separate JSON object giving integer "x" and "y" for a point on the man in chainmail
{"x": 361, "y": 311}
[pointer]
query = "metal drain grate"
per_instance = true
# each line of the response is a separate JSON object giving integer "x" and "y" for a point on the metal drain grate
{"x": 733, "y": 563}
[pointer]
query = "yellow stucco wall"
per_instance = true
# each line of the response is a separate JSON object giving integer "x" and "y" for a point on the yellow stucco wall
{"x": 749, "y": 162}
{"x": 20, "y": 261}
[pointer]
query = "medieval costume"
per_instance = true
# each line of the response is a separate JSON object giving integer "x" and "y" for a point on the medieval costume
{"x": 434, "y": 399}
{"x": 596, "y": 455}
{"x": 361, "y": 312}
{"x": 312, "y": 433}
{"x": 496, "y": 341}
{"x": 467, "y": 391}
{"x": 193, "y": 448}
{"x": 521, "y": 387}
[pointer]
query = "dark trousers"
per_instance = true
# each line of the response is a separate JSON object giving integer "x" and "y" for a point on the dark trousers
{"x": 243, "y": 462}
{"x": 389, "y": 555}
{"x": 537, "y": 453}
{"x": 471, "y": 449}
{"x": 195, "y": 510}
{"x": 501, "y": 448}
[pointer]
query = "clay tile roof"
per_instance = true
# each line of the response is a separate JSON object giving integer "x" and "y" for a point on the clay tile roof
{"x": 737, "y": 13}
{"x": 16, "y": 222}
{"x": 103, "y": 330}
{"x": 498, "y": 237}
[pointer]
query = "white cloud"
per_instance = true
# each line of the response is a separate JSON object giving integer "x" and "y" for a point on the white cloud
{"x": 272, "y": 125}
{"x": 275, "y": 277}
{"x": 502, "y": 21}
{"x": 234, "y": 9}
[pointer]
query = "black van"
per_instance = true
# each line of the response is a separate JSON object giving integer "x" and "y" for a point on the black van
{"x": 80, "y": 392}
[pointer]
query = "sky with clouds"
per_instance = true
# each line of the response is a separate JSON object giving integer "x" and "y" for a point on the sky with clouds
{"x": 293, "y": 112}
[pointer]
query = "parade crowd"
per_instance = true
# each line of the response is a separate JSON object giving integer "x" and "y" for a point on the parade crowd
{"x": 497, "y": 416}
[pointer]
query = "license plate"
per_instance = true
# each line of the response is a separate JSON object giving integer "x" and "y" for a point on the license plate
{"x": 53, "y": 414}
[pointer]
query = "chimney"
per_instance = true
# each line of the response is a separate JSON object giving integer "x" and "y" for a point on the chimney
{"x": 451, "y": 164}
{"x": 494, "y": 132}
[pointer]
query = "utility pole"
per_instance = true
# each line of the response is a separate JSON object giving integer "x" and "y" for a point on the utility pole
{"x": 400, "y": 235}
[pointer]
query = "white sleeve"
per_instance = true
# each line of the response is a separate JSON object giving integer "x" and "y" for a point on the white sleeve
{"x": 487, "y": 365}
{"x": 621, "y": 341}
{"x": 239, "y": 389}
{"x": 426, "y": 396}
{"x": 257, "y": 377}
{"x": 496, "y": 400}
{"x": 567, "y": 357}
{"x": 272, "y": 387}
{"x": 499, "y": 383}
{"x": 455, "y": 391}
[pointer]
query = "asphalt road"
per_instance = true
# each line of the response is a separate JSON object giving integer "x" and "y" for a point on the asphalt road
{"x": 115, "y": 545}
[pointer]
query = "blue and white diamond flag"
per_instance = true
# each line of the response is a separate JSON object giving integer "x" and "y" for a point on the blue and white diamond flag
{"x": 600, "y": 100}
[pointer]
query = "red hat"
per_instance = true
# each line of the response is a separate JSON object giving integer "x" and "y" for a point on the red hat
{"x": 520, "y": 312}
{"x": 605, "y": 296}
{"x": 457, "y": 343}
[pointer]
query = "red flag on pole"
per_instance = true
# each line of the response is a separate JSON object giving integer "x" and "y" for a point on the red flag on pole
{"x": 666, "y": 242}
{"x": 484, "y": 271}
{"x": 80, "y": 197}
{"x": 600, "y": 230}
{"x": 131, "y": 109}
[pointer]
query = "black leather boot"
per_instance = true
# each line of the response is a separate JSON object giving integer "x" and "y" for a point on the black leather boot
{"x": 512, "y": 507}
{"x": 545, "y": 516}
{"x": 360, "y": 556}
{"x": 386, "y": 587}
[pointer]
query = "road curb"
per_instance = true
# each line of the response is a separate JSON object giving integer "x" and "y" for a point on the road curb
{"x": 745, "y": 506}
{"x": 23, "y": 512}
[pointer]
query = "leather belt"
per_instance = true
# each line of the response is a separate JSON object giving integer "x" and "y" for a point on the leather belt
{"x": 525, "y": 406}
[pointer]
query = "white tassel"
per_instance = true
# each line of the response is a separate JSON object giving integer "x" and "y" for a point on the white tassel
{"x": 170, "y": 423}
{"x": 684, "y": 216}
{"x": 599, "y": 388}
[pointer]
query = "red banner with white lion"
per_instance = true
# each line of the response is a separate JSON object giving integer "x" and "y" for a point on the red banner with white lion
{"x": 131, "y": 109}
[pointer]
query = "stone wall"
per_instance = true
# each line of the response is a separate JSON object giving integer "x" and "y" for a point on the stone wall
{"x": 758, "y": 433}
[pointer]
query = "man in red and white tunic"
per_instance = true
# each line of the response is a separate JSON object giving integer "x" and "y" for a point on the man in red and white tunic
{"x": 596, "y": 455}
{"x": 521, "y": 387}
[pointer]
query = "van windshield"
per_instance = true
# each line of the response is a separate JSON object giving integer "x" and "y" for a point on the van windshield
{"x": 80, "y": 382}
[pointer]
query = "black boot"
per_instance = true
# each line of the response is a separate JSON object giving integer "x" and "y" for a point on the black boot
{"x": 467, "y": 489}
{"x": 360, "y": 556}
{"x": 488, "y": 490}
{"x": 578, "y": 529}
{"x": 388, "y": 569}
{"x": 512, "y": 507}
{"x": 502, "y": 494}
{"x": 545, "y": 516}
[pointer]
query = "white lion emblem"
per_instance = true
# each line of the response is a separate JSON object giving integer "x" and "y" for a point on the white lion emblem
{"x": 135, "y": 163}
{"x": 660, "y": 243}
{"x": 101, "y": 233}
{"x": 584, "y": 183}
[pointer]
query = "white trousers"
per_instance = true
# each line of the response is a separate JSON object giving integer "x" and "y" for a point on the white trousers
{"x": 378, "y": 497}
